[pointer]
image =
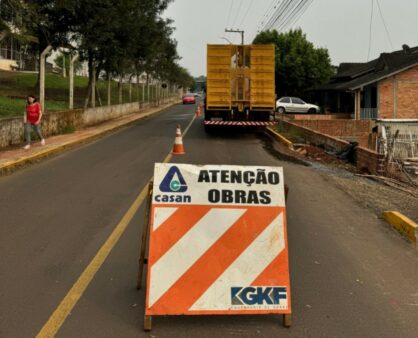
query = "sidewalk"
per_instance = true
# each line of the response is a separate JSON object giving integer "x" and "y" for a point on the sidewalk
{"x": 15, "y": 157}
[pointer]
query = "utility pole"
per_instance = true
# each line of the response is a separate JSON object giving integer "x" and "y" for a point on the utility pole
{"x": 236, "y": 31}
{"x": 64, "y": 70}
{"x": 42, "y": 76}
{"x": 93, "y": 87}
{"x": 73, "y": 58}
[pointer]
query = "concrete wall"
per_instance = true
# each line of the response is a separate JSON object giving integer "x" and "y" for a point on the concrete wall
{"x": 92, "y": 116}
{"x": 349, "y": 130}
{"x": 397, "y": 95}
{"x": 366, "y": 160}
{"x": 12, "y": 129}
{"x": 295, "y": 117}
{"x": 370, "y": 161}
{"x": 314, "y": 137}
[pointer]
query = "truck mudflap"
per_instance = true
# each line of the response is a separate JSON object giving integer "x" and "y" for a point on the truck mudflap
{"x": 240, "y": 123}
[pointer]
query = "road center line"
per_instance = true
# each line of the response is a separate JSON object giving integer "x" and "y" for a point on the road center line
{"x": 58, "y": 317}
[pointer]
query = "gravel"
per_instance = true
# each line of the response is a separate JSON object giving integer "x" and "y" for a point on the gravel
{"x": 371, "y": 194}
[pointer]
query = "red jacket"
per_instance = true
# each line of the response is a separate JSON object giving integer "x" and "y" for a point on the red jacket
{"x": 33, "y": 111}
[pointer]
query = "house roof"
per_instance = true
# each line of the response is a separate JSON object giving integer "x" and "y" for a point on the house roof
{"x": 352, "y": 76}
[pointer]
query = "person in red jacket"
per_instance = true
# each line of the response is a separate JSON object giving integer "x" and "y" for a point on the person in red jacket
{"x": 32, "y": 119}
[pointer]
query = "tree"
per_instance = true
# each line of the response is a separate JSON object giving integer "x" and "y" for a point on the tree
{"x": 180, "y": 76}
{"x": 299, "y": 65}
{"x": 59, "y": 61}
{"x": 4, "y": 27}
{"x": 7, "y": 14}
{"x": 45, "y": 23}
{"x": 156, "y": 51}
{"x": 150, "y": 30}
{"x": 11, "y": 12}
{"x": 120, "y": 38}
{"x": 163, "y": 56}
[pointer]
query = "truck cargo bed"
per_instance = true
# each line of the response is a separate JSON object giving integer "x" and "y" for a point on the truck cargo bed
{"x": 240, "y": 78}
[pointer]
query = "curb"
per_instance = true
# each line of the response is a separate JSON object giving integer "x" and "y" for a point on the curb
{"x": 9, "y": 167}
{"x": 403, "y": 224}
{"x": 280, "y": 138}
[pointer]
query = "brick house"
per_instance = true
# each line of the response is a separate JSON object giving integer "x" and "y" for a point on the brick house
{"x": 384, "y": 88}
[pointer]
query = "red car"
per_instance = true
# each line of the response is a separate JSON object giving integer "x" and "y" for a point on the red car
{"x": 189, "y": 99}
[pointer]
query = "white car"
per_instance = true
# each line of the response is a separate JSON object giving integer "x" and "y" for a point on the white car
{"x": 295, "y": 105}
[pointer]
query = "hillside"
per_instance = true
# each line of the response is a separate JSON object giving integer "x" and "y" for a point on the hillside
{"x": 15, "y": 86}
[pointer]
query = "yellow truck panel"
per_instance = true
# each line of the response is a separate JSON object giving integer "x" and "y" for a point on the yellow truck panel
{"x": 240, "y": 77}
{"x": 262, "y": 76}
{"x": 218, "y": 87}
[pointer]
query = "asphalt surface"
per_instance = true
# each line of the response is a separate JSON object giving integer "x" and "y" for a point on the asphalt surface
{"x": 351, "y": 276}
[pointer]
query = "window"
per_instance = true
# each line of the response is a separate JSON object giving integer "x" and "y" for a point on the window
{"x": 297, "y": 100}
{"x": 285, "y": 100}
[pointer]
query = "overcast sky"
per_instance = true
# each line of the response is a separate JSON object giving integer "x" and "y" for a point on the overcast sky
{"x": 342, "y": 26}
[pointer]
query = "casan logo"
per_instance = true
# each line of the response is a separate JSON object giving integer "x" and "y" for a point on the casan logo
{"x": 173, "y": 182}
{"x": 260, "y": 295}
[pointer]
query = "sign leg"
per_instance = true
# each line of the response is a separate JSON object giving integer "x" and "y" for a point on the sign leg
{"x": 286, "y": 191}
{"x": 287, "y": 320}
{"x": 145, "y": 232}
{"x": 147, "y": 323}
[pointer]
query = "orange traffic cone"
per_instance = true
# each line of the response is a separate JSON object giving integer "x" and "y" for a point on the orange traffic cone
{"x": 198, "y": 111}
{"x": 178, "y": 148}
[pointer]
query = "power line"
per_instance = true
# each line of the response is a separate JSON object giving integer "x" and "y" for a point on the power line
{"x": 309, "y": 3}
{"x": 291, "y": 14}
{"x": 370, "y": 30}
{"x": 229, "y": 13}
{"x": 273, "y": 5}
{"x": 286, "y": 7}
{"x": 277, "y": 14}
{"x": 246, "y": 13}
{"x": 276, "y": 8}
{"x": 237, "y": 14}
{"x": 284, "y": 13}
{"x": 280, "y": 10}
{"x": 292, "y": 21}
{"x": 384, "y": 24}
{"x": 270, "y": 7}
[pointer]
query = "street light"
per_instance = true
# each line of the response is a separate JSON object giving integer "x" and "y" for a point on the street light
{"x": 236, "y": 31}
{"x": 224, "y": 38}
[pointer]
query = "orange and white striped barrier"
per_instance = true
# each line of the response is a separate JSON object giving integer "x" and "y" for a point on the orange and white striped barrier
{"x": 178, "y": 147}
{"x": 240, "y": 123}
{"x": 218, "y": 241}
{"x": 198, "y": 111}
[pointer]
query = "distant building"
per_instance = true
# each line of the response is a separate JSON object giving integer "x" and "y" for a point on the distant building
{"x": 13, "y": 54}
{"x": 384, "y": 88}
{"x": 200, "y": 83}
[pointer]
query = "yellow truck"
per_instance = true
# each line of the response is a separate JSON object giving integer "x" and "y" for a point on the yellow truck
{"x": 240, "y": 88}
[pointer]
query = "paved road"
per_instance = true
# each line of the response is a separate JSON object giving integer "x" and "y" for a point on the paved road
{"x": 351, "y": 276}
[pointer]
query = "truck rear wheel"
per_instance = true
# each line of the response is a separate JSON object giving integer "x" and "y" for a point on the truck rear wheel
{"x": 208, "y": 129}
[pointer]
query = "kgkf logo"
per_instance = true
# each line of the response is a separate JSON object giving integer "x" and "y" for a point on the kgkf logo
{"x": 261, "y": 295}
